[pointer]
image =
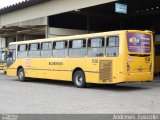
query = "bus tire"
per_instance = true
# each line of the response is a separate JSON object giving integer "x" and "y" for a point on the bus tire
{"x": 21, "y": 75}
{"x": 79, "y": 79}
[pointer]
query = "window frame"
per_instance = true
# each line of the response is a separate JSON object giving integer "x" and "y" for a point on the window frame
{"x": 46, "y": 50}
{"x": 84, "y": 39}
{"x": 112, "y": 46}
{"x": 103, "y": 42}
{"x": 70, "y": 48}
{"x": 18, "y": 50}
{"x": 66, "y": 47}
{"x": 24, "y": 50}
{"x": 39, "y": 50}
{"x": 41, "y": 46}
{"x": 112, "y": 36}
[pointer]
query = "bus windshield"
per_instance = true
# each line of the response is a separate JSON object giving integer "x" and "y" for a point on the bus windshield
{"x": 139, "y": 43}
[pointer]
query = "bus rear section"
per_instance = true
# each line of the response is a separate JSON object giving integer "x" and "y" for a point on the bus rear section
{"x": 140, "y": 57}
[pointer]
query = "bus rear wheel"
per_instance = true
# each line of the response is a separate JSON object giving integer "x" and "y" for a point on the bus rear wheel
{"x": 79, "y": 79}
{"x": 21, "y": 75}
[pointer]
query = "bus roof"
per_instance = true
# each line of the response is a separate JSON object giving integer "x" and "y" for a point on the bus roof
{"x": 79, "y": 36}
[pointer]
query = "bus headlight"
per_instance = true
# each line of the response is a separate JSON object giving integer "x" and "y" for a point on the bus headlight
{"x": 128, "y": 67}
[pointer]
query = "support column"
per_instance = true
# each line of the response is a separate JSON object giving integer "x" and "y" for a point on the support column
{"x": 88, "y": 23}
{"x": 47, "y": 27}
{"x": 2, "y": 42}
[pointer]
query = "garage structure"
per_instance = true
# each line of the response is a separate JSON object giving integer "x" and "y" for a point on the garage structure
{"x": 36, "y": 19}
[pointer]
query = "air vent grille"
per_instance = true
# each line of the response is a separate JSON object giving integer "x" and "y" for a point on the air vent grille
{"x": 105, "y": 69}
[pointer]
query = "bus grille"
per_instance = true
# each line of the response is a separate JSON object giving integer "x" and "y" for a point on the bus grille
{"x": 105, "y": 70}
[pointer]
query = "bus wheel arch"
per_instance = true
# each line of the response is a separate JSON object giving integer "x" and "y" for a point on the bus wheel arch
{"x": 79, "y": 78}
{"x": 20, "y": 67}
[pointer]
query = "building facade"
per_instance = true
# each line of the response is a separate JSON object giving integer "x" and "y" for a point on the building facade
{"x": 36, "y": 19}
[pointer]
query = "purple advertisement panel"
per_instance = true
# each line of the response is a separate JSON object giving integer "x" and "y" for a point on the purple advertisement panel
{"x": 139, "y": 42}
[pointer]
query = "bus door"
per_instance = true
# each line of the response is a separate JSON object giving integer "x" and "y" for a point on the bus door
{"x": 11, "y": 58}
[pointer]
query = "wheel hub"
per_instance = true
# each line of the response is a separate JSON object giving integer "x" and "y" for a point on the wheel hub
{"x": 21, "y": 75}
{"x": 79, "y": 79}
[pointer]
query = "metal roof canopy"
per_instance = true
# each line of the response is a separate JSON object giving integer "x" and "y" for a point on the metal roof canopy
{"x": 49, "y": 7}
{"x": 20, "y": 5}
{"x": 14, "y": 30}
{"x": 141, "y": 15}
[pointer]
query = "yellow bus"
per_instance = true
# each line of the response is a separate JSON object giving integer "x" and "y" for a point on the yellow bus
{"x": 157, "y": 57}
{"x": 102, "y": 58}
{"x": 3, "y": 56}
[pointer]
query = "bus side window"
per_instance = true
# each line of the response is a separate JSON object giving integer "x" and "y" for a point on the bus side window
{"x": 77, "y": 48}
{"x": 112, "y": 44}
{"x": 46, "y": 49}
{"x": 22, "y": 51}
{"x": 96, "y": 47}
{"x": 34, "y": 50}
{"x": 60, "y": 49}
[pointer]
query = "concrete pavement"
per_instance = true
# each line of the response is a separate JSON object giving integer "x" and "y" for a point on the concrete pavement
{"x": 44, "y": 96}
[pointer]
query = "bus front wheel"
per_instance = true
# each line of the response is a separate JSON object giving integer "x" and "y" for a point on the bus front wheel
{"x": 79, "y": 79}
{"x": 21, "y": 75}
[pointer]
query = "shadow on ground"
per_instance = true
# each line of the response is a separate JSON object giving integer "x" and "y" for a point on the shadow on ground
{"x": 116, "y": 87}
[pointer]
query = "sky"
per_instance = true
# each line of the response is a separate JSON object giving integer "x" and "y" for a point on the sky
{"x": 4, "y": 3}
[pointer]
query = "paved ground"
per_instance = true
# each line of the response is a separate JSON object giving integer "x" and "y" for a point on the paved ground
{"x": 40, "y": 96}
